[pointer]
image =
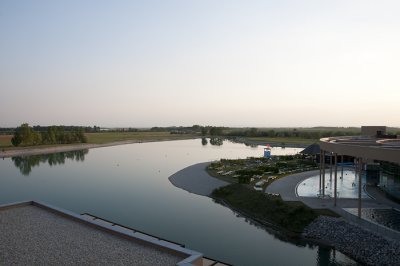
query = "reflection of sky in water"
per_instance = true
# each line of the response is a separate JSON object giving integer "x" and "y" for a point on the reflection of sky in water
{"x": 347, "y": 187}
{"x": 386, "y": 217}
{"x": 128, "y": 184}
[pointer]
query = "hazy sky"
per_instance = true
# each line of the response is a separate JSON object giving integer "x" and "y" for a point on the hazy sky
{"x": 229, "y": 63}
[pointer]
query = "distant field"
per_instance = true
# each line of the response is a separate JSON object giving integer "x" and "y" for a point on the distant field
{"x": 283, "y": 140}
{"x": 106, "y": 137}
{"x": 5, "y": 141}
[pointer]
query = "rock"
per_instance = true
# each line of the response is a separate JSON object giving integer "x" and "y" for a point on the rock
{"x": 358, "y": 243}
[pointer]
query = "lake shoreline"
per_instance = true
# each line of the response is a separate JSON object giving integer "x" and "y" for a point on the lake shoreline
{"x": 312, "y": 234}
{"x": 195, "y": 179}
{"x": 37, "y": 150}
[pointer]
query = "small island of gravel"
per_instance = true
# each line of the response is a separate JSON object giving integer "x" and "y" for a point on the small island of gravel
{"x": 195, "y": 179}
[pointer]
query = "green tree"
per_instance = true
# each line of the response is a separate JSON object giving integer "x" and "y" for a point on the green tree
{"x": 36, "y": 138}
{"x": 216, "y": 131}
{"x": 51, "y": 131}
{"x": 16, "y": 139}
{"x": 204, "y": 131}
{"x": 253, "y": 132}
{"x": 24, "y": 135}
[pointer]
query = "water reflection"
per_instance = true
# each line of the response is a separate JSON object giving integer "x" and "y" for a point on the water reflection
{"x": 326, "y": 255}
{"x": 26, "y": 163}
{"x": 139, "y": 195}
{"x": 252, "y": 145}
{"x": 216, "y": 141}
{"x": 271, "y": 229}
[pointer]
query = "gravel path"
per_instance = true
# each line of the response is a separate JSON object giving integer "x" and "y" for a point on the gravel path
{"x": 32, "y": 236}
{"x": 195, "y": 179}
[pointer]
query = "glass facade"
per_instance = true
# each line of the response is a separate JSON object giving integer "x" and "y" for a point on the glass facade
{"x": 389, "y": 180}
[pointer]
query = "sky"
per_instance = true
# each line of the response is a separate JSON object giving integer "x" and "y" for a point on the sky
{"x": 211, "y": 62}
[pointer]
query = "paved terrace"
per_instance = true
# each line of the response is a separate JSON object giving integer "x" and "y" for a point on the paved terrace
{"x": 287, "y": 186}
{"x": 34, "y": 233}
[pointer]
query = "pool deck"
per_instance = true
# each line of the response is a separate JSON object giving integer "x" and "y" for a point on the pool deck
{"x": 287, "y": 187}
{"x": 40, "y": 234}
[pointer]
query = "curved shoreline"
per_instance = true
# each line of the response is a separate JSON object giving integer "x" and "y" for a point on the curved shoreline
{"x": 195, "y": 179}
{"x": 69, "y": 147}
{"x": 322, "y": 231}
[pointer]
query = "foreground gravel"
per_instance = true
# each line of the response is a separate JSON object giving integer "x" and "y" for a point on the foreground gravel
{"x": 360, "y": 244}
{"x": 32, "y": 236}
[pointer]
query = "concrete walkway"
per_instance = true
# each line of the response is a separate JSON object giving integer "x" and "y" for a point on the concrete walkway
{"x": 195, "y": 179}
{"x": 287, "y": 187}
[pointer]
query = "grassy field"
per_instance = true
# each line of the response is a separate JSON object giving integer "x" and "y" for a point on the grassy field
{"x": 5, "y": 141}
{"x": 269, "y": 210}
{"x": 266, "y": 209}
{"x": 107, "y": 137}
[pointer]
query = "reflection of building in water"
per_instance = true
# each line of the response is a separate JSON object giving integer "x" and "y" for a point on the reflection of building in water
{"x": 26, "y": 163}
{"x": 389, "y": 179}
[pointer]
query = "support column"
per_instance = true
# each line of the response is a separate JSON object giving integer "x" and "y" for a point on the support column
{"x": 320, "y": 171}
{"x": 359, "y": 186}
{"x": 342, "y": 166}
{"x": 323, "y": 174}
{"x": 335, "y": 188}
{"x": 330, "y": 166}
{"x": 355, "y": 168}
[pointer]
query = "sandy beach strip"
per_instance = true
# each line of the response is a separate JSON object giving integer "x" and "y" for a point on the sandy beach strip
{"x": 36, "y": 150}
{"x": 195, "y": 179}
{"x": 64, "y": 148}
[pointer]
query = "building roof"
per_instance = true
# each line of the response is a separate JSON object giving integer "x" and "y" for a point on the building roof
{"x": 367, "y": 148}
{"x": 34, "y": 233}
{"x": 313, "y": 149}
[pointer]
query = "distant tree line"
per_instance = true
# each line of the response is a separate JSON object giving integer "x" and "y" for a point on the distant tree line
{"x": 291, "y": 133}
{"x": 307, "y": 133}
{"x": 86, "y": 129}
{"x": 6, "y": 130}
{"x": 25, "y": 135}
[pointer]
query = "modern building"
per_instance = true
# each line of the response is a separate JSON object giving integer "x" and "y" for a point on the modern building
{"x": 374, "y": 152}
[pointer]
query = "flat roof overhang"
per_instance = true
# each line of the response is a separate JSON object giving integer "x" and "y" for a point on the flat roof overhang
{"x": 92, "y": 226}
{"x": 366, "y": 148}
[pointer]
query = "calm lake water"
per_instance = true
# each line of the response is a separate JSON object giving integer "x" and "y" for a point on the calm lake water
{"x": 129, "y": 185}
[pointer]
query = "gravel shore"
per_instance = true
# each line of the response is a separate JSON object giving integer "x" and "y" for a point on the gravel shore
{"x": 68, "y": 147}
{"x": 195, "y": 179}
{"x": 358, "y": 243}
